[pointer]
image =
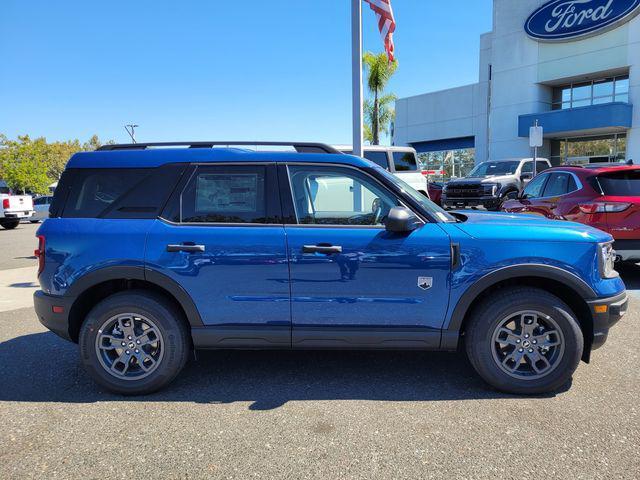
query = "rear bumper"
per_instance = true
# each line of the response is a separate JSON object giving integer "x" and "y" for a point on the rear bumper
{"x": 18, "y": 214}
{"x": 58, "y": 323}
{"x": 616, "y": 307}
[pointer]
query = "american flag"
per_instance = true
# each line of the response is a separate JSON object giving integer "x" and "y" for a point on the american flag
{"x": 386, "y": 23}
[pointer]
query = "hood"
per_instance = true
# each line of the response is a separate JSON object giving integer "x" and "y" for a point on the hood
{"x": 475, "y": 180}
{"x": 523, "y": 227}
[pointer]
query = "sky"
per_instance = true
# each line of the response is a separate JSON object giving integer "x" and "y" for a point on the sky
{"x": 213, "y": 69}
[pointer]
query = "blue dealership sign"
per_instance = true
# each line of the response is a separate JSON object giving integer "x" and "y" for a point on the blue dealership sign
{"x": 566, "y": 20}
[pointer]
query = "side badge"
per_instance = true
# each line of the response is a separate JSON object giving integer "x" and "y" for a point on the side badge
{"x": 425, "y": 283}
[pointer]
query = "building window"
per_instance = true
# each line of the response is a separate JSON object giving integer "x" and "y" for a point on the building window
{"x": 583, "y": 150}
{"x": 595, "y": 92}
{"x": 448, "y": 163}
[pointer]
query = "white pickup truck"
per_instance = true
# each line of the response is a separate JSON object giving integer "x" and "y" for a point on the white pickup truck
{"x": 13, "y": 208}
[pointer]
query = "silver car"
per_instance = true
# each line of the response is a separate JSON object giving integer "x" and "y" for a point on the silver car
{"x": 41, "y": 207}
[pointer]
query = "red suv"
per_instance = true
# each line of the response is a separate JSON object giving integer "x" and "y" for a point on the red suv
{"x": 602, "y": 196}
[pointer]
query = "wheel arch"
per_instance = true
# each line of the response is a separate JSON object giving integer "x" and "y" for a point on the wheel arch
{"x": 95, "y": 286}
{"x": 565, "y": 285}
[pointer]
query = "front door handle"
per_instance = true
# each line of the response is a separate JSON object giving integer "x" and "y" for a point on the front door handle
{"x": 184, "y": 247}
{"x": 324, "y": 249}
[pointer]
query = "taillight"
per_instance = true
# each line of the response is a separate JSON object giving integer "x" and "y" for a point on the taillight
{"x": 601, "y": 207}
{"x": 39, "y": 253}
{"x": 5, "y": 203}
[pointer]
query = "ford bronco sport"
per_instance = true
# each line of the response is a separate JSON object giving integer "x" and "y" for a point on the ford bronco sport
{"x": 152, "y": 252}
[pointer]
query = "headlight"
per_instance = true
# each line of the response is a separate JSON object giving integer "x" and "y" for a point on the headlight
{"x": 491, "y": 188}
{"x": 607, "y": 260}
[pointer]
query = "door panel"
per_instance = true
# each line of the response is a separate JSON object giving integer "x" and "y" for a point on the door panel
{"x": 353, "y": 284}
{"x": 373, "y": 282}
{"x": 236, "y": 273}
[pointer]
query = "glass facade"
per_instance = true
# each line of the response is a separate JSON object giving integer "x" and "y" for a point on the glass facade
{"x": 454, "y": 163}
{"x": 583, "y": 150}
{"x": 595, "y": 92}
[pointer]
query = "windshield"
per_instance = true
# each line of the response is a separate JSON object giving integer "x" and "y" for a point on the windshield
{"x": 488, "y": 169}
{"x": 427, "y": 204}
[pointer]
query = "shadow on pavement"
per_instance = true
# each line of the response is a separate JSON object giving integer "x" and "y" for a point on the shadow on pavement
{"x": 43, "y": 368}
{"x": 630, "y": 274}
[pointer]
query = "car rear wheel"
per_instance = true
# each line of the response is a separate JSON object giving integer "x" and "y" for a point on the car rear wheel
{"x": 134, "y": 343}
{"x": 524, "y": 340}
{"x": 10, "y": 225}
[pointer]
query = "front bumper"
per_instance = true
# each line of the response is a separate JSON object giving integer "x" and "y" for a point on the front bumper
{"x": 58, "y": 323}
{"x": 483, "y": 201}
{"x": 606, "y": 313}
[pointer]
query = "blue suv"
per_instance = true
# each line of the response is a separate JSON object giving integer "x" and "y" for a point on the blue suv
{"x": 152, "y": 252}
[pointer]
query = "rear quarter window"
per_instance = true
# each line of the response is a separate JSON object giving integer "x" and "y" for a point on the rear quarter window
{"x": 115, "y": 193}
{"x": 379, "y": 158}
{"x": 405, "y": 161}
{"x": 621, "y": 184}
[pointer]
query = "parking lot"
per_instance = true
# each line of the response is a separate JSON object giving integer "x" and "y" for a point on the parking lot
{"x": 305, "y": 414}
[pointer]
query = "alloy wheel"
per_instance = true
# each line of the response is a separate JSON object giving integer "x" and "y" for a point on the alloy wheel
{"x": 129, "y": 346}
{"x": 528, "y": 345}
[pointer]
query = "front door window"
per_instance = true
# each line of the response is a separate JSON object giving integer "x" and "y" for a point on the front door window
{"x": 338, "y": 196}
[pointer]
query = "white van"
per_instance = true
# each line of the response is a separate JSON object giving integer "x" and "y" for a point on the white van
{"x": 400, "y": 161}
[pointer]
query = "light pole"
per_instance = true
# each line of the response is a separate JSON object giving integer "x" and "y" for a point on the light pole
{"x": 130, "y": 128}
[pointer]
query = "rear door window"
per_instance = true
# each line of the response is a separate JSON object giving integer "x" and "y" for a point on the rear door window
{"x": 379, "y": 158}
{"x": 405, "y": 161}
{"x": 557, "y": 185}
{"x": 228, "y": 194}
{"x": 621, "y": 184}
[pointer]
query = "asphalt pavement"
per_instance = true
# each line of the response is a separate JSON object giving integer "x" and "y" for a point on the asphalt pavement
{"x": 308, "y": 414}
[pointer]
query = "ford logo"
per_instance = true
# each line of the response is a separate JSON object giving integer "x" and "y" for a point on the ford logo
{"x": 564, "y": 20}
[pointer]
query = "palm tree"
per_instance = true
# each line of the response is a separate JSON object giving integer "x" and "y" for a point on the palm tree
{"x": 379, "y": 113}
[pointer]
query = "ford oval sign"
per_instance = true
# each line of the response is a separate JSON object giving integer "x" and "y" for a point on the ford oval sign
{"x": 566, "y": 20}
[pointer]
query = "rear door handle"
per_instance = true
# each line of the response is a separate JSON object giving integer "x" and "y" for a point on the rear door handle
{"x": 325, "y": 249}
{"x": 190, "y": 248}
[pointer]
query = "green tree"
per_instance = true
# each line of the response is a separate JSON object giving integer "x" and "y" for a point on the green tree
{"x": 24, "y": 164}
{"x": 379, "y": 113}
{"x": 31, "y": 165}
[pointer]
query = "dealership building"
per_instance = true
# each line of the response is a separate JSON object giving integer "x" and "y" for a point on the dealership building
{"x": 571, "y": 65}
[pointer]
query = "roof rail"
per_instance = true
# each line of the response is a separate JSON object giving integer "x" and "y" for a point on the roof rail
{"x": 300, "y": 147}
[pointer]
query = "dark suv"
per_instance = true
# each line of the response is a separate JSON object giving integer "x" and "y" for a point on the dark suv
{"x": 152, "y": 252}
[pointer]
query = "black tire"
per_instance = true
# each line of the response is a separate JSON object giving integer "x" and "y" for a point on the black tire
{"x": 176, "y": 343}
{"x": 485, "y": 321}
{"x": 34, "y": 221}
{"x": 10, "y": 225}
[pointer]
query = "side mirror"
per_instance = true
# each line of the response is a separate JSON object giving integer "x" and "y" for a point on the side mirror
{"x": 401, "y": 220}
{"x": 526, "y": 176}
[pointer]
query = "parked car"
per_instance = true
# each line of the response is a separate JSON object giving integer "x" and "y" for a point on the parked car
{"x": 400, "y": 161}
{"x": 41, "y": 208}
{"x": 491, "y": 183}
{"x": 603, "y": 196}
{"x": 13, "y": 208}
{"x": 150, "y": 252}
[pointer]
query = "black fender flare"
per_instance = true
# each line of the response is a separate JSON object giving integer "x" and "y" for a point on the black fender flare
{"x": 451, "y": 334}
{"x": 506, "y": 189}
{"x": 138, "y": 272}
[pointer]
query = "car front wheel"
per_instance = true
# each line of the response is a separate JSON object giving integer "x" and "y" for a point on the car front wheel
{"x": 524, "y": 340}
{"x": 134, "y": 343}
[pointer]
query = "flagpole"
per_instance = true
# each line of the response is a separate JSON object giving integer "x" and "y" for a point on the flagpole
{"x": 356, "y": 59}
